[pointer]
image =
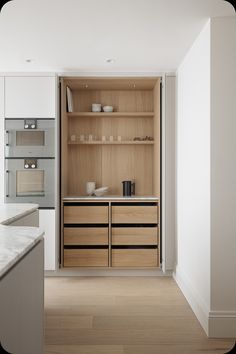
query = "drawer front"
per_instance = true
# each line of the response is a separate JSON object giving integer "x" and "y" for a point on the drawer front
{"x": 134, "y": 214}
{"x": 135, "y": 236}
{"x": 85, "y": 236}
{"x": 85, "y": 214}
{"x": 85, "y": 257}
{"x": 135, "y": 258}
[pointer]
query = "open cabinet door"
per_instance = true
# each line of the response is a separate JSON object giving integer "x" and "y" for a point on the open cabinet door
{"x": 168, "y": 206}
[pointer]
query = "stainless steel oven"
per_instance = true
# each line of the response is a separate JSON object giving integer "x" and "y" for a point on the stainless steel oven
{"x": 29, "y": 137}
{"x": 30, "y": 180}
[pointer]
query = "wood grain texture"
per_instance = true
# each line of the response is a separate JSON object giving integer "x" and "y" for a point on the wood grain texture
{"x": 130, "y": 315}
{"x": 135, "y": 236}
{"x": 134, "y": 214}
{"x": 135, "y": 258}
{"x": 85, "y": 258}
{"x": 86, "y": 214}
{"x": 85, "y": 236}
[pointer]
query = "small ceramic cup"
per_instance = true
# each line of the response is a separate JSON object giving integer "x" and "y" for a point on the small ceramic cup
{"x": 96, "y": 107}
{"x": 90, "y": 187}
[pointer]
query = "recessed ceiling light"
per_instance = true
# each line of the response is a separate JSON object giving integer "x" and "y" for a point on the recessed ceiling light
{"x": 110, "y": 60}
{"x": 28, "y": 60}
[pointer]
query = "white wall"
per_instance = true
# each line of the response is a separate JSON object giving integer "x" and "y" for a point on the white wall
{"x": 206, "y": 177}
{"x": 193, "y": 175}
{"x": 223, "y": 176}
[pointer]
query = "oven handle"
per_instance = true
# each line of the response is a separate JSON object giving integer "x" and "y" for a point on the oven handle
{"x": 7, "y": 183}
{"x": 7, "y": 138}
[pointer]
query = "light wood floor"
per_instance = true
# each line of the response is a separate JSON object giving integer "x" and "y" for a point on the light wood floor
{"x": 122, "y": 315}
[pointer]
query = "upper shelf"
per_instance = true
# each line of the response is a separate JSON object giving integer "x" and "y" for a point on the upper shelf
{"x": 111, "y": 114}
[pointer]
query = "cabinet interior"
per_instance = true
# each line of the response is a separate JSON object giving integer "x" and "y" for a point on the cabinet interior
{"x": 136, "y": 103}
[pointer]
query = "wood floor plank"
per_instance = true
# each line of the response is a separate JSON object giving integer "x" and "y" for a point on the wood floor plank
{"x": 84, "y": 349}
{"x": 219, "y": 347}
{"x": 68, "y": 322}
{"x": 122, "y": 315}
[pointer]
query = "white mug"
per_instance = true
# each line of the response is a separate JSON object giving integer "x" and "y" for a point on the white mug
{"x": 96, "y": 107}
{"x": 90, "y": 187}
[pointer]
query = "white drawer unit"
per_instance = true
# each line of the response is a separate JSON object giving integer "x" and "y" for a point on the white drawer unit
{"x": 30, "y": 97}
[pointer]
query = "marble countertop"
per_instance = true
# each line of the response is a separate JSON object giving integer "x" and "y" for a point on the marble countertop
{"x": 13, "y": 211}
{"x": 16, "y": 241}
{"x": 112, "y": 197}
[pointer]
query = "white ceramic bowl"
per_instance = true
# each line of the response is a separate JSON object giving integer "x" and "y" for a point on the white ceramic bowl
{"x": 107, "y": 108}
{"x": 99, "y": 192}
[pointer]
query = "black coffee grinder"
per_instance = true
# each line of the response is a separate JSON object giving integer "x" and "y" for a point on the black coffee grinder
{"x": 128, "y": 188}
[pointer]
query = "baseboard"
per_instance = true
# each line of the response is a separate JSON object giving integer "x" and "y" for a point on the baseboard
{"x": 222, "y": 324}
{"x": 194, "y": 300}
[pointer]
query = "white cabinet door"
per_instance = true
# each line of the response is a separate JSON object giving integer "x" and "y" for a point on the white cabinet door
{"x": 1, "y": 139}
{"x": 47, "y": 223}
{"x": 1, "y": 97}
{"x": 30, "y": 97}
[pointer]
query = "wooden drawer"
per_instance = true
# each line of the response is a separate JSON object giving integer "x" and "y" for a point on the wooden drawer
{"x": 135, "y": 236}
{"x": 85, "y": 257}
{"x": 135, "y": 258}
{"x": 86, "y": 214}
{"x": 85, "y": 236}
{"x": 128, "y": 214}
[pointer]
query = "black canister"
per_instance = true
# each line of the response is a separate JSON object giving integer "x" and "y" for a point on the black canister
{"x": 128, "y": 188}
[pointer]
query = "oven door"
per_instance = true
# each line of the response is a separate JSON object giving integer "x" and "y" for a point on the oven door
{"x": 30, "y": 181}
{"x": 29, "y": 137}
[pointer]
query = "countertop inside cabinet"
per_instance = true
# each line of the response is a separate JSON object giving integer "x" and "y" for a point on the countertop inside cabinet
{"x": 16, "y": 241}
{"x": 110, "y": 198}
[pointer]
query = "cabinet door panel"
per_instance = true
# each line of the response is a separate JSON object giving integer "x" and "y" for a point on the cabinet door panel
{"x": 30, "y": 97}
{"x": 134, "y": 214}
{"x": 135, "y": 258}
{"x": 135, "y": 236}
{"x": 85, "y": 258}
{"x": 85, "y": 236}
{"x": 85, "y": 214}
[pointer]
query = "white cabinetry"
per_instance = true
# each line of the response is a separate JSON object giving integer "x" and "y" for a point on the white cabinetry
{"x": 30, "y": 97}
{"x": 47, "y": 224}
{"x": 21, "y": 305}
{"x": 1, "y": 139}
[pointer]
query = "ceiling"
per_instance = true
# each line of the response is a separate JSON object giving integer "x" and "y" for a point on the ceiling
{"x": 80, "y": 35}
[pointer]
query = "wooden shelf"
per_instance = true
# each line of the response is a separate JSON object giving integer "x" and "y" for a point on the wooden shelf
{"x": 111, "y": 114}
{"x": 99, "y": 142}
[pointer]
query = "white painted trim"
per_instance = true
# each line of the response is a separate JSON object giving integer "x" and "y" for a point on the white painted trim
{"x": 192, "y": 296}
{"x": 111, "y": 74}
{"x": 28, "y": 73}
{"x": 222, "y": 324}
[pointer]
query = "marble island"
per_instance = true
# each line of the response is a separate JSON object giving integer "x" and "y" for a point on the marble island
{"x": 16, "y": 241}
{"x": 21, "y": 279}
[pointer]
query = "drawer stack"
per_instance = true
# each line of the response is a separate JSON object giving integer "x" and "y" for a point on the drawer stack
{"x": 135, "y": 234}
{"x": 111, "y": 234}
{"x": 86, "y": 234}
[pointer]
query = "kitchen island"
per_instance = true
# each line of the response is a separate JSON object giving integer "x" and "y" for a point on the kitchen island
{"x": 21, "y": 279}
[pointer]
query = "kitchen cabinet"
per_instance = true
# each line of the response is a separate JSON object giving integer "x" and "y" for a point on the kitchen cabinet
{"x": 30, "y": 97}
{"x": 108, "y": 148}
{"x": 114, "y": 234}
{"x": 2, "y": 139}
{"x": 22, "y": 305}
{"x": 47, "y": 222}
{"x": 86, "y": 233}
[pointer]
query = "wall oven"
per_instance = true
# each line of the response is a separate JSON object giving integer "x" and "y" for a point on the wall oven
{"x": 29, "y": 137}
{"x": 30, "y": 161}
